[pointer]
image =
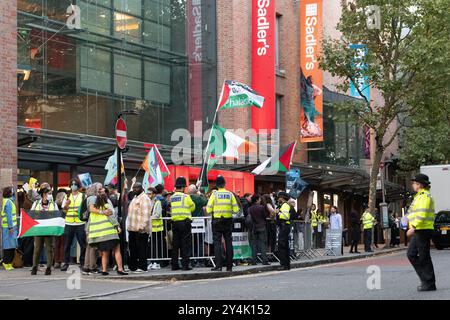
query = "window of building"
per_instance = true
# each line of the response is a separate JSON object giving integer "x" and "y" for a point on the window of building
{"x": 128, "y": 54}
{"x": 95, "y": 69}
{"x": 277, "y": 42}
{"x": 128, "y": 6}
{"x": 156, "y": 35}
{"x": 157, "y": 82}
{"x": 127, "y": 75}
{"x": 95, "y": 18}
{"x": 278, "y": 112}
{"x": 127, "y": 27}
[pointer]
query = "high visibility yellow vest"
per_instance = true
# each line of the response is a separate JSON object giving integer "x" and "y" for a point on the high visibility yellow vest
{"x": 157, "y": 224}
{"x": 100, "y": 228}
{"x": 51, "y": 206}
{"x": 284, "y": 213}
{"x": 72, "y": 210}
{"x": 314, "y": 219}
{"x": 222, "y": 204}
{"x": 182, "y": 206}
{"x": 367, "y": 220}
{"x": 14, "y": 213}
{"x": 421, "y": 212}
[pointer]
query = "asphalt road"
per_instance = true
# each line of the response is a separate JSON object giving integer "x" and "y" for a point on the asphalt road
{"x": 346, "y": 280}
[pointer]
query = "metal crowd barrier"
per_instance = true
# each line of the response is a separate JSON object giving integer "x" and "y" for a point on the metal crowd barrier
{"x": 300, "y": 240}
{"x": 160, "y": 243}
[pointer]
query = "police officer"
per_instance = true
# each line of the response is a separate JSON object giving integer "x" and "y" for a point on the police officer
{"x": 222, "y": 205}
{"x": 421, "y": 221}
{"x": 367, "y": 221}
{"x": 182, "y": 208}
{"x": 284, "y": 218}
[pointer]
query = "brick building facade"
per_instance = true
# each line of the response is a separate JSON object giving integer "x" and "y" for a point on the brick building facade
{"x": 8, "y": 88}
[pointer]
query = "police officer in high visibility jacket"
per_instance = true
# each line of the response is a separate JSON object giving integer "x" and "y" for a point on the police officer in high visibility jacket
{"x": 74, "y": 228}
{"x": 367, "y": 221}
{"x": 182, "y": 207}
{"x": 316, "y": 220}
{"x": 222, "y": 205}
{"x": 284, "y": 218}
{"x": 421, "y": 217}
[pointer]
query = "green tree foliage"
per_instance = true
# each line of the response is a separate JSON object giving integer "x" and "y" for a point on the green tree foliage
{"x": 407, "y": 61}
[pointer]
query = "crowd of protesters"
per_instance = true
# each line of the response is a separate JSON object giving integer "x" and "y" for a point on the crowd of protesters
{"x": 155, "y": 227}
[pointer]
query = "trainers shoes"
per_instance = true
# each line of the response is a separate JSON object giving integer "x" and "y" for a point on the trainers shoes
{"x": 155, "y": 266}
{"x": 139, "y": 271}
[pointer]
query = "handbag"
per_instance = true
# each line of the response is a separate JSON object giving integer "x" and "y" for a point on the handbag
{"x": 18, "y": 260}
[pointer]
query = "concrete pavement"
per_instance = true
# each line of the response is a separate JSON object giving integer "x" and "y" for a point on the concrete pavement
{"x": 338, "y": 280}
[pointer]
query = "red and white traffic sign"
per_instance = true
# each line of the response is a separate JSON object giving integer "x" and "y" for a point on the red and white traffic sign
{"x": 121, "y": 133}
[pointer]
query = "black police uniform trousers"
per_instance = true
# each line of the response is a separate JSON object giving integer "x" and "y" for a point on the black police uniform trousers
{"x": 367, "y": 239}
{"x": 223, "y": 227}
{"x": 283, "y": 244}
{"x": 182, "y": 240}
{"x": 420, "y": 258}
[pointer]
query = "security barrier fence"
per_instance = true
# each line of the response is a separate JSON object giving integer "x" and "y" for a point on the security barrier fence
{"x": 303, "y": 243}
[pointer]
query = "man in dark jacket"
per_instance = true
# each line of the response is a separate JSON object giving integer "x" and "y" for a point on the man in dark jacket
{"x": 259, "y": 215}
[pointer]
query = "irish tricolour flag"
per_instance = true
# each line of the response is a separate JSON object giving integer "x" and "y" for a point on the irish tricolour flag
{"x": 239, "y": 95}
{"x": 41, "y": 223}
{"x": 227, "y": 145}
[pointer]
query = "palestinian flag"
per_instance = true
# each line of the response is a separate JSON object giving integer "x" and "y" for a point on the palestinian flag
{"x": 280, "y": 162}
{"x": 238, "y": 95}
{"x": 41, "y": 223}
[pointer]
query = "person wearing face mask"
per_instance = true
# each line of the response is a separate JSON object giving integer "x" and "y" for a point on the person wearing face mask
{"x": 45, "y": 204}
{"x": 74, "y": 228}
{"x": 9, "y": 226}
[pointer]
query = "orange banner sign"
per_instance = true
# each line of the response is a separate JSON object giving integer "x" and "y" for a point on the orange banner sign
{"x": 311, "y": 86}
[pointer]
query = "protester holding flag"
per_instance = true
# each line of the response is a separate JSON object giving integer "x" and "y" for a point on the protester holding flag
{"x": 9, "y": 226}
{"x": 46, "y": 204}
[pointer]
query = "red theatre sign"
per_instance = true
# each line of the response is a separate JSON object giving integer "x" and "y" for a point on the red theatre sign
{"x": 263, "y": 62}
{"x": 311, "y": 87}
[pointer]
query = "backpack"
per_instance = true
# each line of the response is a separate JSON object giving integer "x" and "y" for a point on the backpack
{"x": 249, "y": 222}
{"x": 83, "y": 210}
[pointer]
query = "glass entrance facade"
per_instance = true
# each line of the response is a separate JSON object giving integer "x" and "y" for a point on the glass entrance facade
{"x": 127, "y": 54}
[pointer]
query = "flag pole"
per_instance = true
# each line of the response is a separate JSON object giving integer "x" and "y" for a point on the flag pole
{"x": 210, "y": 134}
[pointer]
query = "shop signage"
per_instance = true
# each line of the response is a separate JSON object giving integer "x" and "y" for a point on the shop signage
{"x": 263, "y": 62}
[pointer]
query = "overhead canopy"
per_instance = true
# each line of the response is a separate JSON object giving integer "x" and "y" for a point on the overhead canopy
{"x": 48, "y": 146}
